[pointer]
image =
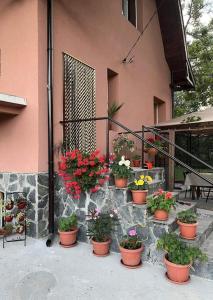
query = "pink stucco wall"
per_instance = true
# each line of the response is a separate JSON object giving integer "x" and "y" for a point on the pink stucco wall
{"x": 94, "y": 32}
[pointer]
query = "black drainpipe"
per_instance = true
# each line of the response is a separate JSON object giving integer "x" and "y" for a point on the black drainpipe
{"x": 50, "y": 123}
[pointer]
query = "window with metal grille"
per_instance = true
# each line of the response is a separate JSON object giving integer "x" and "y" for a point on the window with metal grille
{"x": 79, "y": 103}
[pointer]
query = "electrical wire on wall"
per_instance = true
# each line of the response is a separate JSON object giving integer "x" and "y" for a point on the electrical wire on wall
{"x": 130, "y": 60}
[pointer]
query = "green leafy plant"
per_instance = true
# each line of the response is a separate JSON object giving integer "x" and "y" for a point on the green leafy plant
{"x": 191, "y": 119}
{"x": 101, "y": 224}
{"x": 113, "y": 109}
{"x": 155, "y": 141}
{"x": 131, "y": 241}
{"x": 160, "y": 200}
{"x": 136, "y": 157}
{"x": 141, "y": 184}
{"x": 8, "y": 228}
{"x": 121, "y": 168}
{"x": 178, "y": 252}
{"x": 68, "y": 223}
{"x": 188, "y": 217}
{"x": 122, "y": 145}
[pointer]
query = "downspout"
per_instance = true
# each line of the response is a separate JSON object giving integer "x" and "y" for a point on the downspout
{"x": 50, "y": 123}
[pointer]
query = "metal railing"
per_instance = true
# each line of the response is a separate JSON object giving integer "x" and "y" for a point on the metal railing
{"x": 145, "y": 141}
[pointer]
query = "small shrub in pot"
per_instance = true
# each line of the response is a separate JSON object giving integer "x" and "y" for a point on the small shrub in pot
{"x": 187, "y": 221}
{"x": 67, "y": 228}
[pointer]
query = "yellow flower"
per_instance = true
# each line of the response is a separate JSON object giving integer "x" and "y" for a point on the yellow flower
{"x": 148, "y": 178}
{"x": 142, "y": 177}
{"x": 136, "y": 183}
{"x": 140, "y": 182}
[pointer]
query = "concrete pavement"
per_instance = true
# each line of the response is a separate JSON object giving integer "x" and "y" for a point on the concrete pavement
{"x": 36, "y": 272}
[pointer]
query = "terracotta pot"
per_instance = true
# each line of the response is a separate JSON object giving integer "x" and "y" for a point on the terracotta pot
{"x": 101, "y": 248}
{"x": 121, "y": 182}
{"x": 139, "y": 197}
{"x": 21, "y": 205}
{"x": 177, "y": 273}
{"x": 136, "y": 163}
{"x": 2, "y": 231}
{"x": 161, "y": 215}
{"x": 131, "y": 257}
{"x": 8, "y": 219}
{"x": 68, "y": 238}
{"x": 152, "y": 151}
{"x": 187, "y": 231}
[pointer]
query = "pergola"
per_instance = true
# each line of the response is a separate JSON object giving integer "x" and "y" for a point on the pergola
{"x": 199, "y": 123}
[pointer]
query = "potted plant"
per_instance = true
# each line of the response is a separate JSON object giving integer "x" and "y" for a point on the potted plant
{"x": 100, "y": 227}
{"x": 8, "y": 229}
{"x": 20, "y": 217}
{"x": 179, "y": 257}
{"x": 139, "y": 189}
{"x": 112, "y": 111}
{"x": 9, "y": 204}
{"x": 160, "y": 204}
{"x": 187, "y": 221}
{"x": 121, "y": 171}
{"x": 8, "y": 217}
{"x": 83, "y": 172}
{"x": 123, "y": 146}
{"x": 67, "y": 228}
{"x": 136, "y": 160}
{"x": 21, "y": 203}
{"x": 155, "y": 141}
{"x": 131, "y": 248}
{"x": 20, "y": 228}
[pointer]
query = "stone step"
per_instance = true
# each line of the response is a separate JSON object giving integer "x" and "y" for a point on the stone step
{"x": 204, "y": 229}
{"x": 171, "y": 223}
{"x": 206, "y": 269}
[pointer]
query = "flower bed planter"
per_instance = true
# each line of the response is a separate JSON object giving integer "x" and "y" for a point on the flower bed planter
{"x": 139, "y": 197}
{"x": 68, "y": 239}
{"x": 177, "y": 273}
{"x": 101, "y": 248}
{"x": 131, "y": 258}
{"x": 187, "y": 231}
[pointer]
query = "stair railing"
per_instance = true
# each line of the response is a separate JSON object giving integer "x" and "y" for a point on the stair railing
{"x": 142, "y": 139}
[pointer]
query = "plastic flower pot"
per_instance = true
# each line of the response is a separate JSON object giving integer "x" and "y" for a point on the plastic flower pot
{"x": 177, "y": 273}
{"x": 161, "y": 215}
{"x": 131, "y": 258}
{"x": 121, "y": 182}
{"x": 136, "y": 163}
{"x": 139, "y": 197}
{"x": 68, "y": 238}
{"x": 152, "y": 151}
{"x": 187, "y": 231}
{"x": 101, "y": 248}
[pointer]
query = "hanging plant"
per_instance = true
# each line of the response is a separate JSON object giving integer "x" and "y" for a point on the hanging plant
{"x": 83, "y": 171}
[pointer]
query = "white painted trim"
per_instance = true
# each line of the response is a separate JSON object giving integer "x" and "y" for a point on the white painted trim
{"x": 10, "y": 100}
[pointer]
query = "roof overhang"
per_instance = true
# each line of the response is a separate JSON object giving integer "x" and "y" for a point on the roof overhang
{"x": 174, "y": 41}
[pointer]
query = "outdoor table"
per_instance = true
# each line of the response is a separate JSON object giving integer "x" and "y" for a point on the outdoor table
{"x": 192, "y": 180}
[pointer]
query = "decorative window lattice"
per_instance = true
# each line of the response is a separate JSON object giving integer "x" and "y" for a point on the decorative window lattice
{"x": 79, "y": 103}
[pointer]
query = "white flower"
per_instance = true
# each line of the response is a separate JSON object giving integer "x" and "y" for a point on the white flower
{"x": 120, "y": 163}
{"x": 123, "y": 157}
{"x": 115, "y": 211}
{"x": 127, "y": 163}
{"x": 111, "y": 215}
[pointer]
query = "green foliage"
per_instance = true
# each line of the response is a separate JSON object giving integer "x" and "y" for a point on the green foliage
{"x": 178, "y": 252}
{"x": 113, "y": 109}
{"x": 191, "y": 119}
{"x": 161, "y": 200}
{"x": 101, "y": 224}
{"x": 8, "y": 228}
{"x": 200, "y": 48}
{"x": 136, "y": 157}
{"x": 131, "y": 241}
{"x": 122, "y": 145}
{"x": 188, "y": 217}
{"x": 68, "y": 223}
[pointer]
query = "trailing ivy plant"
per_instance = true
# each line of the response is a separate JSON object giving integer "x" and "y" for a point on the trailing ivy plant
{"x": 188, "y": 217}
{"x": 178, "y": 252}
